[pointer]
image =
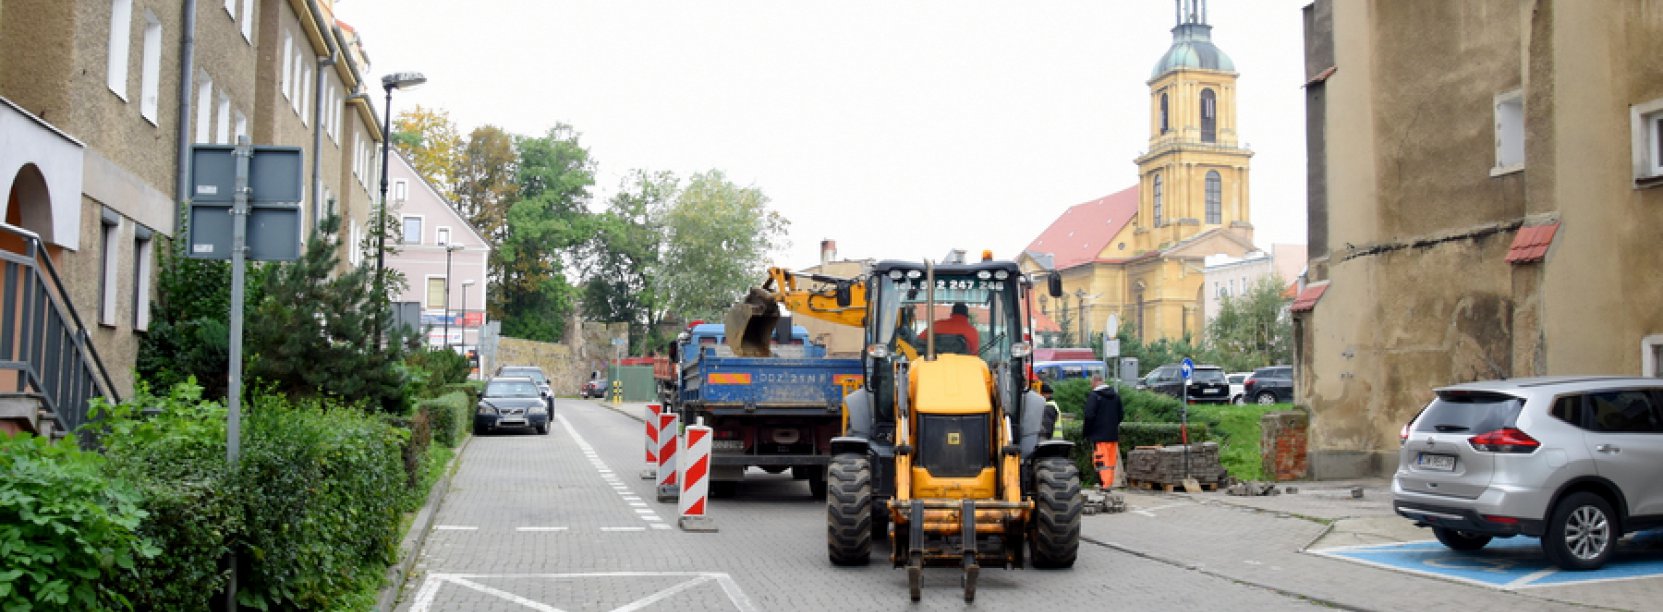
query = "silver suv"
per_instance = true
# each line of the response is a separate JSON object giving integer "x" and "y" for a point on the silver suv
{"x": 1577, "y": 461}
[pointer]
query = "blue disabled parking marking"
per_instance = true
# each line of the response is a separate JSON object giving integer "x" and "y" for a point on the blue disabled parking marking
{"x": 1507, "y": 563}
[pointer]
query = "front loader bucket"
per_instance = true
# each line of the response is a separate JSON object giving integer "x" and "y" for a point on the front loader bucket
{"x": 750, "y": 324}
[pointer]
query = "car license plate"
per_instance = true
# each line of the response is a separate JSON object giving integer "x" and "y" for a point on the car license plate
{"x": 727, "y": 445}
{"x": 1212, "y": 390}
{"x": 1434, "y": 461}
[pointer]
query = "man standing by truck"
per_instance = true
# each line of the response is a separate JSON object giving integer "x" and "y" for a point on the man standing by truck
{"x": 1103, "y": 412}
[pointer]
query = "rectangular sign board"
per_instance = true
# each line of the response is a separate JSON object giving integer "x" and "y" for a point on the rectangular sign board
{"x": 275, "y": 189}
{"x": 273, "y": 232}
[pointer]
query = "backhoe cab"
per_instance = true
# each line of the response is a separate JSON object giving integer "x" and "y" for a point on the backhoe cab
{"x": 940, "y": 453}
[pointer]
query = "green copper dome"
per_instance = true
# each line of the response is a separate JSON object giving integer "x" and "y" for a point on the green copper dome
{"x": 1192, "y": 44}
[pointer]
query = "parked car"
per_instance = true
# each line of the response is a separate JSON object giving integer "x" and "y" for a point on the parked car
{"x": 1207, "y": 383}
{"x": 511, "y": 401}
{"x": 1272, "y": 385}
{"x": 1238, "y": 385}
{"x": 536, "y": 375}
{"x": 594, "y": 387}
{"x": 1577, "y": 461}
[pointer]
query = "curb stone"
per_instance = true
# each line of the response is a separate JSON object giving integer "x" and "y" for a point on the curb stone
{"x": 411, "y": 546}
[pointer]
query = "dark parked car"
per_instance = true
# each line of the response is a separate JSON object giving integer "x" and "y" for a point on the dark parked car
{"x": 536, "y": 375}
{"x": 1207, "y": 383}
{"x": 511, "y": 402}
{"x": 1272, "y": 385}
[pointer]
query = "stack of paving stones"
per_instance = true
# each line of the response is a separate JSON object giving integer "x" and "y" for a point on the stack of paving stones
{"x": 1163, "y": 466}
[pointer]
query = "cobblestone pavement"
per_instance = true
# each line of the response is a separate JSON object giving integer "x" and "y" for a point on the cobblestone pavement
{"x": 564, "y": 522}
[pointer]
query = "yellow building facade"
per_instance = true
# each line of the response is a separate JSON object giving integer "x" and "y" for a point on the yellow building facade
{"x": 1138, "y": 254}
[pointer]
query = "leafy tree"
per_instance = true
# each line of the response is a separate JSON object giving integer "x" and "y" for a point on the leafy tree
{"x": 532, "y": 296}
{"x": 622, "y": 259}
{"x": 1251, "y": 329}
{"x": 717, "y": 243}
{"x": 312, "y": 336}
{"x": 485, "y": 180}
{"x": 430, "y": 141}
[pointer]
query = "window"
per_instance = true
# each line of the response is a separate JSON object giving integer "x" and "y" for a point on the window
{"x": 1157, "y": 200}
{"x": 1209, "y": 116}
{"x": 1215, "y": 194}
{"x": 241, "y": 129}
{"x": 443, "y": 235}
{"x": 435, "y": 293}
{"x": 401, "y": 190}
{"x": 141, "y": 278}
{"x": 248, "y": 19}
{"x": 1164, "y": 124}
{"x": 1646, "y": 121}
{"x": 355, "y": 255}
{"x": 150, "y": 69}
{"x": 1623, "y": 412}
{"x": 288, "y": 61}
{"x": 205, "y": 109}
{"x": 305, "y": 94}
{"x": 231, "y": 8}
{"x": 1509, "y": 132}
{"x": 412, "y": 230}
{"x": 1651, "y": 356}
{"x": 224, "y": 129}
{"x": 107, "y": 269}
{"x": 121, "y": 38}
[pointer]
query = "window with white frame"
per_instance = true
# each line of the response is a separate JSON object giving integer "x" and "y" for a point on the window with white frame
{"x": 205, "y": 109}
{"x": 248, "y": 20}
{"x": 355, "y": 254}
{"x": 1509, "y": 116}
{"x": 150, "y": 67}
{"x": 142, "y": 256}
{"x": 435, "y": 293}
{"x": 121, "y": 39}
{"x": 305, "y": 94}
{"x": 401, "y": 190}
{"x": 412, "y": 231}
{"x": 107, "y": 269}
{"x": 1646, "y": 123}
{"x": 224, "y": 123}
{"x": 442, "y": 236}
{"x": 231, "y": 8}
{"x": 288, "y": 63}
{"x": 1651, "y": 356}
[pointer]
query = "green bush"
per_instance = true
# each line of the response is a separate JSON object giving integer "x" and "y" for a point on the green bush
{"x": 418, "y": 434}
{"x": 322, "y": 491}
{"x": 1133, "y": 435}
{"x": 449, "y": 415}
{"x": 68, "y": 535}
{"x": 473, "y": 388}
{"x": 443, "y": 367}
{"x": 176, "y": 461}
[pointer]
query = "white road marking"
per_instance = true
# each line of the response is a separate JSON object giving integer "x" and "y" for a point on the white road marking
{"x": 607, "y": 475}
{"x": 423, "y": 600}
{"x": 540, "y": 529}
{"x": 660, "y": 526}
{"x": 623, "y": 529}
{"x": 662, "y": 595}
{"x": 455, "y": 528}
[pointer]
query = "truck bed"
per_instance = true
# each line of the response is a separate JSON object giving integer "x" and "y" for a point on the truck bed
{"x": 754, "y": 384}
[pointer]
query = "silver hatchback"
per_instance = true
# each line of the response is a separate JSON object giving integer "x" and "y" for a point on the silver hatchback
{"x": 1576, "y": 461}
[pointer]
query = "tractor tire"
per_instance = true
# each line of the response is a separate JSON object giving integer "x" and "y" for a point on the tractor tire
{"x": 849, "y": 510}
{"x": 1057, "y": 503}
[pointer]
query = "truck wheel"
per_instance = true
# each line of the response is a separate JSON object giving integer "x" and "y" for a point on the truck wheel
{"x": 1057, "y": 504}
{"x": 849, "y": 510}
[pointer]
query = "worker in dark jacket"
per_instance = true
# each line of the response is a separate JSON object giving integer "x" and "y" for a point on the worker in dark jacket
{"x": 1103, "y": 413}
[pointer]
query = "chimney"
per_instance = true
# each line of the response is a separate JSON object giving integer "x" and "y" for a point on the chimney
{"x": 828, "y": 251}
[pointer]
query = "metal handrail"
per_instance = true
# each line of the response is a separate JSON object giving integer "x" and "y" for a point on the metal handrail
{"x": 39, "y": 336}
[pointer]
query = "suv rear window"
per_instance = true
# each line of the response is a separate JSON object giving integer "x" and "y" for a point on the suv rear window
{"x": 1206, "y": 375}
{"x": 1473, "y": 413}
{"x": 1276, "y": 372}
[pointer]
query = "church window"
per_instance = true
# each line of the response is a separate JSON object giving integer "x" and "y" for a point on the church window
{"x": 1165, "y": 125}
{"x": 1215, "y": 209}
{"x": 1158, "y": 200}
{"x": 1209, "y": 116}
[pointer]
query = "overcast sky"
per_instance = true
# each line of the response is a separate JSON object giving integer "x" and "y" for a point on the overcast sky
{"x": 900, "y": 129}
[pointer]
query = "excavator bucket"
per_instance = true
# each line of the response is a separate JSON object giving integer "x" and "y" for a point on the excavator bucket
{"x": 750, "y": 324}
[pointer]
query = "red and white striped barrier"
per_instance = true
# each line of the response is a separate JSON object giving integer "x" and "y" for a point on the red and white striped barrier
{"x": 651, "y": 470}
{"x": 695, "y": 480}
{"x": 667, "y": 441}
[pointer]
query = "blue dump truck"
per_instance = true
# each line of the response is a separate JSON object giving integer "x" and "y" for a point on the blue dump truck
{"x": 775, "y": 412}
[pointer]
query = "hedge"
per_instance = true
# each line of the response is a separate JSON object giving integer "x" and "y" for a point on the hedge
{"x": 449, "y": 415}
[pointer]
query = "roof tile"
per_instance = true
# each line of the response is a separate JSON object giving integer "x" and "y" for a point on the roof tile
{"x": 1531, "y": 244}
{"x": 1307, "y": 300}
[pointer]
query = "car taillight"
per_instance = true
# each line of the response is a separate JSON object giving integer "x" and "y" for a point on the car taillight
{"x": 1248, "y": 384}
{"x": 1403, "y": 434}
{"x": 1504, "y": 440}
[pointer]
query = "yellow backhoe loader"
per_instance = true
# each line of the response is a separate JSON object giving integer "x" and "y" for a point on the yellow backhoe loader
{"x": 940, "y": 453}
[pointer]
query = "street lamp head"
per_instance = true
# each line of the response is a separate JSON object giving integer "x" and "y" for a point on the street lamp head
{"x": 402, "y": 80}
{"x": 467, "y": 283}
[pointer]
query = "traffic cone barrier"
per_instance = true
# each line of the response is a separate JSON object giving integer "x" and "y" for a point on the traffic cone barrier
{"x": 651, "y": 471}
{"x": 695, "y": 481}
{"x": 667, "y": 440}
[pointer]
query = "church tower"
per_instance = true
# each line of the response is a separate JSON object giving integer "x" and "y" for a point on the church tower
{"x": 1194, "y": 176}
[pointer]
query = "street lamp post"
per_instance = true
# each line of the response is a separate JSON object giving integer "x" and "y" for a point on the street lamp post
{"x": 449, "y": 248}
{"x": 465, "y": 285}
{"x": 399, "y": 80}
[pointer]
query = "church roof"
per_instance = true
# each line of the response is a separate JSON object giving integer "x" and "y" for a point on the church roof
{"x": 1085, "y": 229}
{"x": 1192, "y": 44}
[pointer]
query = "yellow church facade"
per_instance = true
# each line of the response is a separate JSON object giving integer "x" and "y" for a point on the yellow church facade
{"x": 1138, "y": 254}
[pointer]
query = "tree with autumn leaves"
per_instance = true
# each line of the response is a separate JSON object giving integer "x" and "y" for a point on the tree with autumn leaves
{"x": 657, "y": 249}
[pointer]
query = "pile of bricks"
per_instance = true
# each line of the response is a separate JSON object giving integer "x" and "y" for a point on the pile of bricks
{"x": 1164, "y": 465}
